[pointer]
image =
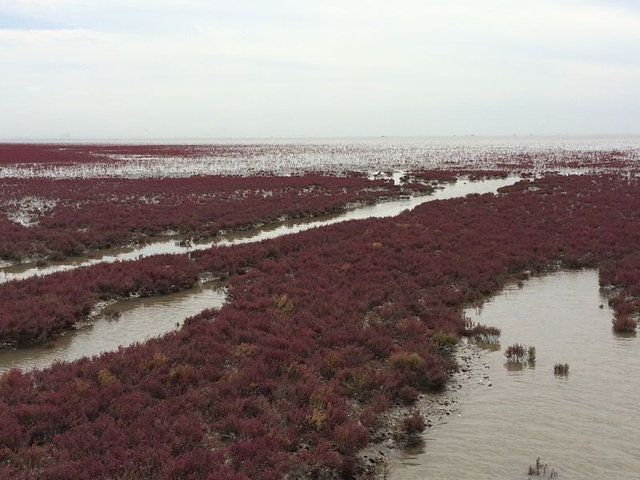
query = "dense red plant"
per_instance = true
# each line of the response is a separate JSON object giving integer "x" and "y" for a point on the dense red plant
{"x": 622, "y": 277}
{"x": 624, "y": 324}
{"x": 323, "y": 331}
{"x": 452, "y": 175}
{"x": 41, "y": 307}
{"x": 70, "y": 216}
{"x": 515, "y": 353}
{"x": 53, "y": 153}
{"x": 413, "y": 424}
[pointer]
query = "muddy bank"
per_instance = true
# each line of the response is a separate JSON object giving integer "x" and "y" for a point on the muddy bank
{"x": 385, "y": 457}
{"x": 582, "y": 424}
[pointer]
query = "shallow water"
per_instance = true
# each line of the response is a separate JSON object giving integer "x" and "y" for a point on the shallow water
{"x": 284, "y": 156}
{"x": 583, "y": 425}
{"x": 384, "y": 209}
{"x": 141, "y": 319}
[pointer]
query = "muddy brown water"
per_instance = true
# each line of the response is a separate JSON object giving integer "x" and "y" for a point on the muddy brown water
{"x": 140, "y": 319}
{"x": 379, "y": 210}
{"x": 144, "y": 318}
{"x": 583, "y": 425}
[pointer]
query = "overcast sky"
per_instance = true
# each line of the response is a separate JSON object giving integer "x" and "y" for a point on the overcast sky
{"x": 154, "y": 69}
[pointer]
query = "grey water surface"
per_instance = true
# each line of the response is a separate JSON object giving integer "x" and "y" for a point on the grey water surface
{"x": 583, "y": 425}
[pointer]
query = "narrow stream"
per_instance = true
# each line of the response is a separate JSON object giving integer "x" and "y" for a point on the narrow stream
{"x": 143, "y": 318}
{"x": 140, "y": 319}
{"x": 583, "y": 425}
{"x": 384, "y": 209}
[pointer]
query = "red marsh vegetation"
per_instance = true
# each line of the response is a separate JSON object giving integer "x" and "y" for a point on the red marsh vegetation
{"x": 61, "y": 153}
{"x": 622, "y": 276}
{"x": 324, "y": 331}
{"x": 56, "y": 218}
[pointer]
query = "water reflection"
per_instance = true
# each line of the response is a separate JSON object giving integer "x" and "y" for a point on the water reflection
{"x": 139, "y": 319}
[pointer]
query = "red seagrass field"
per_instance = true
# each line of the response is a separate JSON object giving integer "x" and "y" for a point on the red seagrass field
{"x": 333, "y": 342}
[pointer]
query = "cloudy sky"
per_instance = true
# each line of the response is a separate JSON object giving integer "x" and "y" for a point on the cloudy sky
{"x": 152, "y": 69}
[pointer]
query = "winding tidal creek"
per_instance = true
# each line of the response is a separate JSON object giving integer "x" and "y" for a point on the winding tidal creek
{"x": 139, "y": 319}
{"x": 384, "y": 209}
{"x": 144, "y": 318}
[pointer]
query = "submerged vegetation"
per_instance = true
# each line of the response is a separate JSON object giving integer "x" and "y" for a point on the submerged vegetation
{"x": 516, "y": 353}
{"x": 483, "y": 333}
{"x": 561, "y": 369}
{"x": 412, "y": 426}
{"x": 543, "y": 470}
{"x": 324, "y": 331}
{"x": 531, "y": 355}
{"x": 624, "y": 324}
{"x": 622, "y": 277}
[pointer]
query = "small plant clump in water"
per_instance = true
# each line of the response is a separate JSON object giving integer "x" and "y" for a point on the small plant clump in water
{"x": 624, "y": 324}
{"x": 531, "y": 354}
{"x": 412, "y": 427}
{"x": 542, "y": 470}
{"x": 515, "y": 353}
{"x": 482, "y": 333}
{"x": 561, "y": 369}
{"x": 413, "y": 424}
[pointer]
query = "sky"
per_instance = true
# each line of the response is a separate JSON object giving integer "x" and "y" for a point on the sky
{"x": 154, "y": 69}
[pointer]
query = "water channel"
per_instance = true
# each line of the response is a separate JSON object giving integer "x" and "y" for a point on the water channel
{"x": 379, "y": 210}
{"x": 144, "y": 318}
{"x": 140, "y": 319}
{"x": 583, "y": 425}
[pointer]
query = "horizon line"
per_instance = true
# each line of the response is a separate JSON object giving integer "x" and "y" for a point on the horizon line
{"x": 56, "y": 140}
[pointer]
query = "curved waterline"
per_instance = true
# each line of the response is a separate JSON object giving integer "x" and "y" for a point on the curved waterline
{"x": 379, "y": 210}
{"x": 138, "y": 320}
{"x": 152, "y": 316}
{"x": 582, "y": 425}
